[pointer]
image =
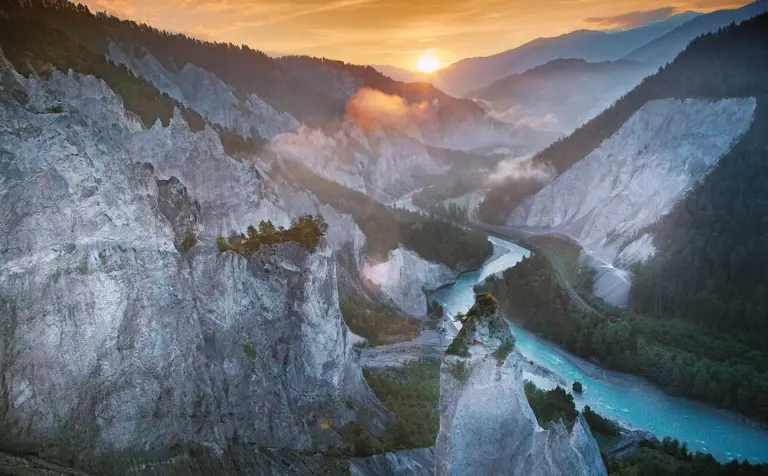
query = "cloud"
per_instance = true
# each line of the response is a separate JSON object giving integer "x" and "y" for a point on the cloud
{"x": 632, "y": 19}
{"x": 521, "y": 169}
{"x": 390, "y": 31}
{"x": 370, "y": 108}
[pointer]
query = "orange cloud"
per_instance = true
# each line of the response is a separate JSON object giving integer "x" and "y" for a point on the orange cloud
{"x": 389, "y": 31}
{"x": 632, "y": 19}
{"x": 371, "y": 108}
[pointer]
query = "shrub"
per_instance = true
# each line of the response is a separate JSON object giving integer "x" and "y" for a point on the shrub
{"x": 306, "y": 230}
{"x": 250, "y": 351}
{"x": 504, "y": 350}
{"x": 459, "y": 345}
{"x": 58, "y": 109}
{"x": 460, "y": 372}
{"x": 378, "y": 323}
{"x": 599, "y": 424}
{"x": 188, "y": 243}
{"x": 222, "y": 244}
{"x": 362, "y": 443}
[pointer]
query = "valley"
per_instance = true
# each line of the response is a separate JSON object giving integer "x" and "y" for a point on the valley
{"x": 542, "y": 262}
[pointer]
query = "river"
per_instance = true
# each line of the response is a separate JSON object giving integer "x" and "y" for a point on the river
{"x": 630, "y": 400}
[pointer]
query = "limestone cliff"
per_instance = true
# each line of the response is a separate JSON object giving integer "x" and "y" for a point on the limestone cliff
{"x": 486, "y": 423}
{"x": 607, "y": 200}
{"x": 405, "y": 276}
{"x": 114, "y": 340}
{"x": 203, "y": 91}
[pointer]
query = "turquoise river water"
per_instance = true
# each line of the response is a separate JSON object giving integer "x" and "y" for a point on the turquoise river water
{"x": 629, "y": 400}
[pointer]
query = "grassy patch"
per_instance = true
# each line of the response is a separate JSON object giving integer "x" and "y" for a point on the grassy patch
{"x": 378, "y": 323}
{"x": 412, "y": 392}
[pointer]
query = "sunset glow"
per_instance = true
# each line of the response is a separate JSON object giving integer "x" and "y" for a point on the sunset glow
{"x": 387, "y": 31}
{"x": 427, "y": 64}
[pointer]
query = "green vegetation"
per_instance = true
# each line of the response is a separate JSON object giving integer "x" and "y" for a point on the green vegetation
{"x": 412, "y": 392}
{"x": 458, "y": 345}
{"x": 55, "y": 109}
{"x": 361, "y": 441}
{"x": 378, "y": 323}
{"x": 305, "y": 230}
{"x": 669, "y": 458}
{"x": 460, "y": 371}
{"x": 679, "y": 357}
{"x": 710, "y": 266}
{"x": 551, "y": 405}
{"x": 599, "y": 424}
{"x": 557, "y": 404}
{"x": 433, "y": 239}
{"x": 447, "y": 201}
{"x": 250, "y": 351}
{"x": 38, "y": 37}
{"x": 188, "y": 243}
{"x": 503, "y": 351}
{"x": 729, "y": 63}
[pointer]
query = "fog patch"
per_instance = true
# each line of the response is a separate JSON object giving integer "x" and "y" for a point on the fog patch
{"x": 371, "y": 108}
{"x": 521, "y": 169}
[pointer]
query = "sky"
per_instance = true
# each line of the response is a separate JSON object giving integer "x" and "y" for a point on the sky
{"x": 394, "y": 32}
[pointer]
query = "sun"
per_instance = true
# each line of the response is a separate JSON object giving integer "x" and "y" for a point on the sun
{"x": 427, "y": 64}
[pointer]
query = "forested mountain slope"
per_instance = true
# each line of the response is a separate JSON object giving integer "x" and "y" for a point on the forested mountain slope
{"x": 562, "y": 94}
{"x": 664, "y": 49}
{"x": 727, "y": 64}
{"x": 702, "y": 261}
{"x": 590, "y": 45}
{"x": 711, "y": 265}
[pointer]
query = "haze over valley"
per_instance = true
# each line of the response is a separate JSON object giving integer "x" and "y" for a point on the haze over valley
{"x": 494, "y": 249}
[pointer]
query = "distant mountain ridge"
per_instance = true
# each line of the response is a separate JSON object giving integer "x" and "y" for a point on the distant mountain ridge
{"x": 594, "y": 46}
{"x": 562, "y": 94}
{"x": 664, "y": 49}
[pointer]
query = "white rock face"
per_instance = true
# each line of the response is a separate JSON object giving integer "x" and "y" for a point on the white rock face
{"x": 203, "y": 91}
{"x": 637, "y": 175}
{"x": 405, "y": 276}
{"x": 137, "y": 346}
{"x": 376, "y": 163}
{"x": 420, "y": 462}
{"x": 488, "y": 427}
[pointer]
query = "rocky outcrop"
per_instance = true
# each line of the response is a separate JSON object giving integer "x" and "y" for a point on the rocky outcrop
{"x": 405, "y": 276}
{"x": 116, "y": 344}
{"x": 607, "y": 199}
{"x": 486, "y": 423}
{"x": 419, "y": 462}
{"x": 203, "y": 91}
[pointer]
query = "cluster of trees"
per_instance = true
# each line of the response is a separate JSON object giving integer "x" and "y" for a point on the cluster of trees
{"x": 378, "y": 323}
{"x": 710, "y": 266}
{"x": 412, "y": 392}
{"x": 37, "y": 37}
{"x": 557, "y": 404}
{"x": 245, "y": 69}
{"x": 551, "y": 405}
{"x": 669, "y": 458}
{"x": 432, "y": 238}
{"x": 729, "y": 63}
{"x": 677, "y": 356}
{"x": 306, "y": 230}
